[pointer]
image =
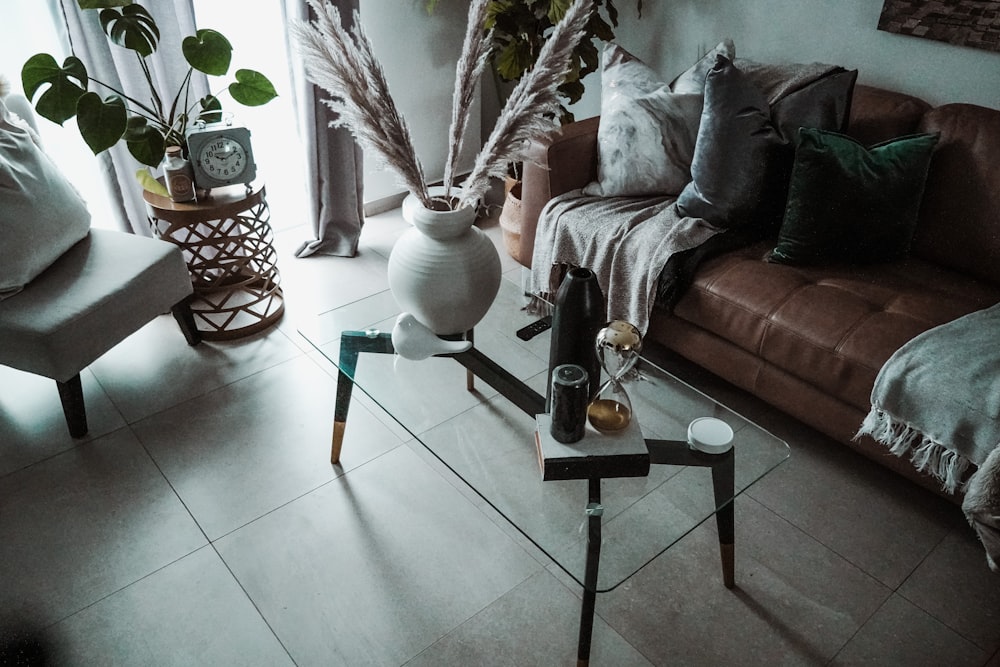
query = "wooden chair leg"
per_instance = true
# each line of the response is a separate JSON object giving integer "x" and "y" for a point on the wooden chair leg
{"x": 71, "y": 395}
{"x": 185, "y": 319}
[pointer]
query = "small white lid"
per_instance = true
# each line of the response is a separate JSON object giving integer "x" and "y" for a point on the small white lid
{"x": 710, "y": 435}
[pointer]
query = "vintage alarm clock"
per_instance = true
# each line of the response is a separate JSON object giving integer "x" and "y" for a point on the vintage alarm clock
{"x": 220, "y": 154}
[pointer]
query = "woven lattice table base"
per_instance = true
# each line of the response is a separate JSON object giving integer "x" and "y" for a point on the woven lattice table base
{"x": 226, "y": 240}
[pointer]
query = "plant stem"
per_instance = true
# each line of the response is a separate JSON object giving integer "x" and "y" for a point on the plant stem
{"x": 150, "y": 113}
{"x": 157, "y": 102}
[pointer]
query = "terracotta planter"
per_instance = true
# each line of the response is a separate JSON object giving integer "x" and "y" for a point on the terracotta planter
{"x": 510, "y": 218}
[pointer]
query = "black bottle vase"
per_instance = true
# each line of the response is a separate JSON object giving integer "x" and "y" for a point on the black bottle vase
{"x": 579, "y": 314}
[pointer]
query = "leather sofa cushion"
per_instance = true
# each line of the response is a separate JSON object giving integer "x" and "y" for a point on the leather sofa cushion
{"x": 832, "y": 327}
{"x": 880, "y": 115}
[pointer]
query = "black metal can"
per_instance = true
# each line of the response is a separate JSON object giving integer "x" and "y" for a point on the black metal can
{"x": 569, "y": 402}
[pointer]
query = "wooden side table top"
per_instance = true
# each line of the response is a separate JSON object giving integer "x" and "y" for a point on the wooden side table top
{"x": 221, "y": 202}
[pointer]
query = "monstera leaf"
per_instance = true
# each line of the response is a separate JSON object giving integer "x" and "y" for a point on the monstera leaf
{"x": 208, "y": 51}
{"x": 101, "y": 122}
{"x": 67, "y": 84}
{"x": 252, "y": 88}
{"x": 144, "y": 141}
{"x": 132, "y": 27}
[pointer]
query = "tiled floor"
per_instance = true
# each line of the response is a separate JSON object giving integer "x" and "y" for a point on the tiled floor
{"x": 200, "y": 524}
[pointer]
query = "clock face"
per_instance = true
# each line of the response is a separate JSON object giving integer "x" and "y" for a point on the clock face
{"x": 223, "y": 158}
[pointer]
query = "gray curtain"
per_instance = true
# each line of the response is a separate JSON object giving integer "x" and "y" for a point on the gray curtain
{"x": 119, "y": 67}
{"x": 334, "y": 176}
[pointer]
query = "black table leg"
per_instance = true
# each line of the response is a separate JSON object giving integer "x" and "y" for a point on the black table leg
{"x": 723, "y": 466}
{"x": 724, "y": 485}
{"x": 594, "y": 512}
{"x": 352, "y": 343}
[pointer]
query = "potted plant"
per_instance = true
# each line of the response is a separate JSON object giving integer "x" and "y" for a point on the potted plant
{"x": 147, "y": 127}
{"x": 443, "y": 271}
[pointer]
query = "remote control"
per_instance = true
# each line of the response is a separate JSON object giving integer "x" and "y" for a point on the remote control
{"x": 535, "y": 328}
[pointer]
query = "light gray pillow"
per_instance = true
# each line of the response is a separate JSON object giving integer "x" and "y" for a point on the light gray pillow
{"x": 41, "y": 213}
{"x": 647, "y": 133}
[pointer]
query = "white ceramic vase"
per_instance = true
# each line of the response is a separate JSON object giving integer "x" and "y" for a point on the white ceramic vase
{"x": 444, "y": 271}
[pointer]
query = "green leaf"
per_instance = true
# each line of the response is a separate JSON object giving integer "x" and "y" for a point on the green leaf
{"x": 67, "y": 84}
{"x": 145, "y": 143}
{"x": 132, "y": 28}
{"x": 211, "y": 109}
{"x": 252, "y": 88}
{"x": 514, "y": 60}
{"x": 208, "y": 51}
{"x": 134, "y": 127}
{"x": 150, "y": 184}
{"x": 102, "y": 4}
{"x": 101, "y": 122}
{"x": 558, "y": 9}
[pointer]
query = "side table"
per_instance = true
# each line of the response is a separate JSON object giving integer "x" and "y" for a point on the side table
{"x": 226, "y": 240}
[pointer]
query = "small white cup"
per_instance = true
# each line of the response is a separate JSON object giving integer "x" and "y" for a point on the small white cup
{"x": 710, "y": 435}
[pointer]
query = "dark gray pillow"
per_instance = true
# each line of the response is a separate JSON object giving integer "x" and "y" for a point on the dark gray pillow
{"x": 740, "y": 172}
{"x": 734, "y": 151}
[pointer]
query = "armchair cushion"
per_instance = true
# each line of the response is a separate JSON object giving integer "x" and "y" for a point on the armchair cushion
{"x": 99, "y": 292}
{"x": 41, "y": 213}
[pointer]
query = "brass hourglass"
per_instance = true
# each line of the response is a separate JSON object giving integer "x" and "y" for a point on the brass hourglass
{"x": 618, "y": 346}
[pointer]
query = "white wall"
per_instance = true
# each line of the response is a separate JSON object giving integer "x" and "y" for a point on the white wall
{"x": 418, "y": 53}
{"x": 674, "y": 33}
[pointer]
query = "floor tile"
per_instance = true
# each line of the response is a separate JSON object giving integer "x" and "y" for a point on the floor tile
{"x": 373, "y": 567}
{"x": 81, "y": 525}
{"x": 955, "y": 585}
{"x": 191, "y": 612}
{"x": 537, "y": 623}
{"x": 318, "y": 283}
{"x": 901, "y": 634}
{"x": 795, "y": 601}
{"x": 32, "y": 424}
{"x": 879, "y": 521}
{"x": 240, "y": 451}
{"x": 155, "y": 368}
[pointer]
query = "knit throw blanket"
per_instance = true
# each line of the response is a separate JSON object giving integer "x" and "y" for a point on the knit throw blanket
{"x": 626, "y": 241}
{"x": 937, "y": 400}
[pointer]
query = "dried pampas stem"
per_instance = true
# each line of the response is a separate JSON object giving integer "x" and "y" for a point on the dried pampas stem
{"x": 345, "y": 66}
{"x": 533, "y": 106}
{"x": 475, "y": 55}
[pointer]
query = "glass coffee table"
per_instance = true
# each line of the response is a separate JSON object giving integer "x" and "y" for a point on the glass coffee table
{"x": 476, "y": 412}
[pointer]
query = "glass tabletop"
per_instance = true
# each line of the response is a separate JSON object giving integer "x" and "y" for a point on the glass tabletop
{"x": 490, "y": 443}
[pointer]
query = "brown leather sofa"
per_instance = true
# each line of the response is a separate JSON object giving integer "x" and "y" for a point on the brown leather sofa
{"x": 811, "y": 340}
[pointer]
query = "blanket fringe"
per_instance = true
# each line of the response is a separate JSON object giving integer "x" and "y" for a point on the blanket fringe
{"x": 927, "y": 455}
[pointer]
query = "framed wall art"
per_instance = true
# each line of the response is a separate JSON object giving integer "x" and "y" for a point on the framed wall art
{"x": 962, "y": 22}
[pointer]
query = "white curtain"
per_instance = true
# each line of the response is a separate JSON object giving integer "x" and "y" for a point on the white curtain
{"x": 119, "y": 68}
{"x": 334, "y": 171}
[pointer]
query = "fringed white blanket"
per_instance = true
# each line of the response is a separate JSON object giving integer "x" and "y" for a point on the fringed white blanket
{"x": 937, "y": 400}
{"x": 626, "y": 241}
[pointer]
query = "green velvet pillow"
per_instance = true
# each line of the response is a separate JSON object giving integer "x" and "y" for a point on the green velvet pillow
{"x": 848, "y": 203}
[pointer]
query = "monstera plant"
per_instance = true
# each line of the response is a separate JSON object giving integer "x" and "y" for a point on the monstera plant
{"x": 146, "y": 126}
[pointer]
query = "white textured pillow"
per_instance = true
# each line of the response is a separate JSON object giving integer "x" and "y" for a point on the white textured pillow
{"x": 41, "y": 213}
{"x": 647, "y": 133}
